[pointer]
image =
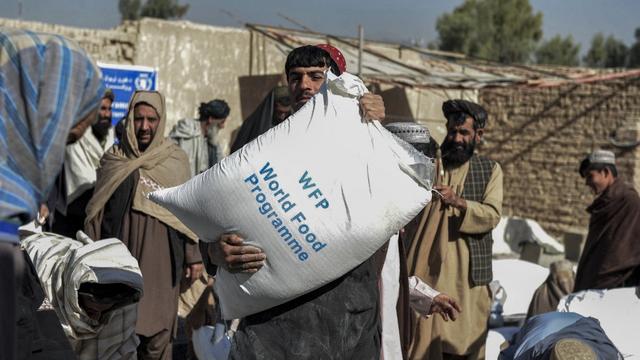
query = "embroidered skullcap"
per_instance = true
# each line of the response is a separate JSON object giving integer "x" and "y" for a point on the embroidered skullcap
{"x": 411, "y": 132}
{"x": 603, "y": 157}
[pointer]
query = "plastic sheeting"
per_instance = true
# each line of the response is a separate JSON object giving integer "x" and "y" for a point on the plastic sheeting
{"x": 520, "y": 279}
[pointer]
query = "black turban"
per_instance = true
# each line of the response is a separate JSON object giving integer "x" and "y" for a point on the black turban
{"x": 477, "y": 112}
{"x": 218, "y": 109}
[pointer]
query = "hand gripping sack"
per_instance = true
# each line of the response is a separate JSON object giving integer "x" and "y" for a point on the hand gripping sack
{"x": 319, "y": 194}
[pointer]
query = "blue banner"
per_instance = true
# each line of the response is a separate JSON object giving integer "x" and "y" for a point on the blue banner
{"x": 124, "y": 80}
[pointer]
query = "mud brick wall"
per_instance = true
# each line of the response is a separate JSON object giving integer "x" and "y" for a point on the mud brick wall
{"x": 540, "y": 135}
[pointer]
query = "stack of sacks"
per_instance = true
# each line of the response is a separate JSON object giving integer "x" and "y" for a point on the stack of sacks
{"x": 319, "y": 193}
{"x": 520, "y": 279}
{"x": 512, "y": 231}
{"x": 617, "y": 310}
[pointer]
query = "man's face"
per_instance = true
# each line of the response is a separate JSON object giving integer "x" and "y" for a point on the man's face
{"x": 93, "y": 309}
{"x": 460, "y": 143}
{"x": 78, "y": 129}
{"x": 219, "y": 123}
{"x": 598, "y": 180}
{"x": 280, "y": 113}
{"x": 304, "y": 83}
{"x": 104, "y": 112}
{"x": 101, "y": 127}
{"x": 145, "y": 122}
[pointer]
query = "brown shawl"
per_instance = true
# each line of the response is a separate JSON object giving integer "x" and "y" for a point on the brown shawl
{"x": 559, "y": 283}
{"x": 163, "y": 164}
{"x": 611, "y": 255}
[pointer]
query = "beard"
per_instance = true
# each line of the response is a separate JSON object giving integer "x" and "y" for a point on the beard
{"x": 456, "y": 154}
{"x": 101, "y": 128}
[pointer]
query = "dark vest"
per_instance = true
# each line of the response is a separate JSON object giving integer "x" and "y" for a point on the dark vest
{"x": 475, "y": 184}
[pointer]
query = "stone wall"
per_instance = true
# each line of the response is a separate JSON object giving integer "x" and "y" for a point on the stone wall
{"x": 197, "y": 63}
{"x": 540, "y": 135}
{"x": 112, "y": 46}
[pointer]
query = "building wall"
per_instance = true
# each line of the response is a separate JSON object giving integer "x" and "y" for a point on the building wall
{"x": 541, "y": 135}
{"x": 198, "y": 63}
{"x": 113, "y": 46}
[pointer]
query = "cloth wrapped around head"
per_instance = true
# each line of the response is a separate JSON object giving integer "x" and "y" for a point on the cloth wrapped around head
{"x": 217, "y": 109}
{"x": 454, "y": 108}
{"x": 161, "y": 165}
{"x": 48, "y": 85}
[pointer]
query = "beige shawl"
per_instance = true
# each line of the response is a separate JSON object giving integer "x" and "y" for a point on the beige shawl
{"x": 81, "y": 160}
{"x": 163, "y": 164}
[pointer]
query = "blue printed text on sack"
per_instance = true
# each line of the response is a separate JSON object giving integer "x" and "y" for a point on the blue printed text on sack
{"x": 280, "y": 198}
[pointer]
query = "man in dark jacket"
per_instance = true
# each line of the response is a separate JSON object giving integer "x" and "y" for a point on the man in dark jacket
{"x": 611, "y": 255}
{"x": 339, "y": 320}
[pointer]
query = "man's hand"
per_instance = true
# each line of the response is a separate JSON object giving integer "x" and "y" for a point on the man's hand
{"x": 193, "y": 272}
{"x": 449, "y": 197}
{"x": 372, "y": 107}
{"x": 446, "y": 306}
{"x": 43, "y": 215}
{"x": 231, "y": 253}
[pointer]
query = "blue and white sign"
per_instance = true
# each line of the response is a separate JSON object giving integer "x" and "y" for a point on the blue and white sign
{"x": 124, "y": 80}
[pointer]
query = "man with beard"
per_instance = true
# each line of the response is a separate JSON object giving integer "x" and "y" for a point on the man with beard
{"x": 192, "y": 134}
{"x": 75, "y": 183}
{"x": 450, "y": 241}
{"x": 218, "y": 112}
{"x": 165, "y": 248}
{"x": 611, "y": 255}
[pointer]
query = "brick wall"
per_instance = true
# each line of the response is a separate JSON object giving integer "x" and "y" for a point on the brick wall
{"x": 540, "y": 135}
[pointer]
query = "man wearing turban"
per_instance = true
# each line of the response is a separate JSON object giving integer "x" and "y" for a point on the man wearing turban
{"x": 450, "y": 241}
{"x": 165, "y": 248}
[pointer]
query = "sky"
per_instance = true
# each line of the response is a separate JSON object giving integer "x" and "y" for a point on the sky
{"x": 398, "y": 20}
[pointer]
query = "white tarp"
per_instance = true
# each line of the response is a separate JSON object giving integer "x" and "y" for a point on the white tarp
{"x": 520, "y": 279}
{"x": 511, "y": 231}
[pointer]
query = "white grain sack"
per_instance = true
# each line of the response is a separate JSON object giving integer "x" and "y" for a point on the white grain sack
{"x": 319, "y": 194}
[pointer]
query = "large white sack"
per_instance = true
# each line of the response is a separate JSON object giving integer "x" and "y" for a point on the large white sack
{"x": 617, "y": 310}
{"x": 320, "y": 193}
{"x": 520, "y": 280}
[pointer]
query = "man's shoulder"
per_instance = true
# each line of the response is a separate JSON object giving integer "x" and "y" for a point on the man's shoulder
{"x": 484, "y": 163}
{"x": 178, "y": 153}
{"x": 483, "y": 160}
{"x": 629, "y": 192}
{"x": 186, "y": 129}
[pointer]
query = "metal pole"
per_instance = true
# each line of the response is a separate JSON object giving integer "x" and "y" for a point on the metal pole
{"x": 360, "y": 47}
{"x": 19, "y": 9}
